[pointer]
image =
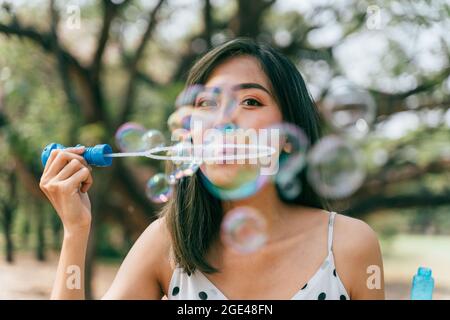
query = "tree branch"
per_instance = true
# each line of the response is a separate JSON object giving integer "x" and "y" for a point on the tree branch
{"x": 44, "y": 40}
{"x": 389, "y": 104}
{"x": 208, "y": 23}
{"x": 62, "y": 68}
{"x": 145, "y": 78}
{"x": 378, "y": 202}
{"x": 133, "y": 63}
{"x": 110, "y": 11}
{"x": 379, "y": 181}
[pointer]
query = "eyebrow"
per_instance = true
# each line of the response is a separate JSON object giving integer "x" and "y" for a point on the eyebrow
{"x": 250, "y": 85}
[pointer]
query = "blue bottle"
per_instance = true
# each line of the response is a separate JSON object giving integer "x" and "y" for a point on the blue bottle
{"x": 422, "y": 285}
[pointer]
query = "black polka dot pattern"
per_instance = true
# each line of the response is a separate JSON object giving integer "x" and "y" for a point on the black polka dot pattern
{"x": 323, "y": 285}
{"x": 322, "y": 296}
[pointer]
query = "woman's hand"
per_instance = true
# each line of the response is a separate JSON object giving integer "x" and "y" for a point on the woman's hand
{"x": 65, "y": 181}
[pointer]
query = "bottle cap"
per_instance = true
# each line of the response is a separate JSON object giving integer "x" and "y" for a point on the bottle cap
{"x": 424, "y": 272}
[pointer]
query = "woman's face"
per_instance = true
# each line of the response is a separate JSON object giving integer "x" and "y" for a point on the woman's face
{"x": 253, "y": 107}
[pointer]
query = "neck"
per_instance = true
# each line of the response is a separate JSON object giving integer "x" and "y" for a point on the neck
{"x": 266, "y": 202}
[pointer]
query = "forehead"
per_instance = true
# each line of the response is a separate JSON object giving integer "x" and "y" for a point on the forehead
{"x": 236, "y": 70}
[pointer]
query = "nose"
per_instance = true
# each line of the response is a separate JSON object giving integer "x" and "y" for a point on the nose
{"x": 227, "y": 116}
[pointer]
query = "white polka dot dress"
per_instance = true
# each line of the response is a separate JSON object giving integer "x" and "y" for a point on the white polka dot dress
{"x": 325, "y": 284}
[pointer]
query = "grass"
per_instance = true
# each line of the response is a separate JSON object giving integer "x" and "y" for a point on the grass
{"x": 404, "y": 253}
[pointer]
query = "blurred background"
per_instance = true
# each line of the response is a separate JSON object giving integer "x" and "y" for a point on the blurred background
{"x": 74, "y": 71}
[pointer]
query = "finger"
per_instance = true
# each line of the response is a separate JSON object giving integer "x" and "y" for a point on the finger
{"x": 86, "y": 185}
{"x": 78, "y": 178}
{"x": 61, "y": 161}
{"x": 55, "y": 152}
{"x": 73, "y": 166}
{"x": 77, "y": 150}
{"x": 50, "y": 159}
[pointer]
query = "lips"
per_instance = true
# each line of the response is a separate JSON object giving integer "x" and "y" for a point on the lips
{"x": 226, "y": 151}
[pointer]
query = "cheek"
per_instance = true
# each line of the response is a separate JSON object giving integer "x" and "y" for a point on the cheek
{"x": 196, "y": 136}
{"x": 260, "y": 118}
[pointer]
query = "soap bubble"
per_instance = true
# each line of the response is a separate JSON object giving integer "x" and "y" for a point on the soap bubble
{"x": 130, "y": 137}
{"x": 247, "y": 183}
{"x": 159, "y": 188}
{"x": 153, "y": 138}
{"x": 184, "y": 107}
{"x": 212, "y": 106}
{"x": 180, "y": 119}
{"x": 294, "y": 144}
{"x": 188, "y": 164}
{"x": 188, "y": 97}
{"x": 231, "y": 181}
{"x": 350, "y": 110}
{"x": 244, "y": 230}
{"x": 335, "y": 168}
{"x": 236, "y": 171}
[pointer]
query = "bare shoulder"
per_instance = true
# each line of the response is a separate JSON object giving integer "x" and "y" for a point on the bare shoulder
{"x": 155, "y": 243}
{"x": 353, "y": 235}
{"x": 157, "y": 235}
{"x": 357, "y": 252}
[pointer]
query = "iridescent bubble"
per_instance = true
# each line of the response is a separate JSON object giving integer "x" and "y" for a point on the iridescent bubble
{"x": 350, "y": 110}
{"x": 244, "y": 229}
{"x": 130, "y": 137}
{"x": 235, "y": 171}
{"x": 153, "y": 138}
{"x": 188, "y": 97}
{"x": 291, "y": 189}
{"x": 223, "y": 173}
{"x": 184, "y": 160}
{"x": 335, "y": 168}
{"x": 180, "y": 119}
{"x": 184, "y": 105}
{"x": 212, "y": 107}
{"x": 294, "y": 145}
{"x": 159, "y": 188}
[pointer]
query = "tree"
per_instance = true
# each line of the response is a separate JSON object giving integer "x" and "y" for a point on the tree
{"x": 9, "y": 206}
{"x": 97, "y": 105}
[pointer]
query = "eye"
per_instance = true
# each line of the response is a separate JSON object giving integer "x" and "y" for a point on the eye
{"x": 251, "y": 103}
{"x": 205, "y": 103}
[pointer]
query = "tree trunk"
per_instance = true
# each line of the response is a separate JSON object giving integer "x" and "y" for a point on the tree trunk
{"x": 40, "y": 244}
{"x": 7, "y": 226}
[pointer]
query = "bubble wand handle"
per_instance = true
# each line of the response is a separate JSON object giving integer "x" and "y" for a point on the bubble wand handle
{"x": 94, "y": 156}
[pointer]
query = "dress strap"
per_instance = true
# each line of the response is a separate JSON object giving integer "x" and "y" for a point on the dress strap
{"x": 330, "y": 230}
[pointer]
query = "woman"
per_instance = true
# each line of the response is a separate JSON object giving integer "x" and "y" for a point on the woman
{"x": 310, "y": 254}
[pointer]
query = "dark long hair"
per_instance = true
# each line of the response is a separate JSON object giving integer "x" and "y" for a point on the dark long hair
{"x": 193, "y": 214}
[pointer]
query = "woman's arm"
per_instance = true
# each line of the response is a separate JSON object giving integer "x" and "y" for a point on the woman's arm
{"x": 69, "y": 282}
{"x": 65, "y": 181}
{"x": 358, "y": 259}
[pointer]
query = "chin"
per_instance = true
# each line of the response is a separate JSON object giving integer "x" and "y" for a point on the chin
{"x": 229, "y": 175}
